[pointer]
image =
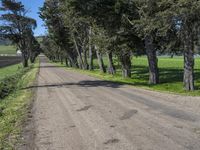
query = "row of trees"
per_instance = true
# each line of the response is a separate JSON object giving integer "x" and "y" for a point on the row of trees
{"x": 18, "y": 28}
{"x": 80, "y": 29}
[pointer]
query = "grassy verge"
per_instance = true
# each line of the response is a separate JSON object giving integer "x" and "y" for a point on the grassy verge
{"x": 13, "y": 110}
{"x": 171, "y": 75}
{"x": 9, "y": 71}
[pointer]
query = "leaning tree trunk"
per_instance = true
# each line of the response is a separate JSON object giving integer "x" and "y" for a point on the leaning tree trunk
{"x": 152, "y": 60}
{"x": 61, "y": 59}
{"x": 188, "y": 63}
{"x": 81, "y": 63}
{"x": 126, "y": 65}
{"x": 32, "y": 58}
{"x": 91, "y": 67}
{"x": 85, "y": 59}
{"x": 111, "y": 67}
{"x": 25, "y": 59}
{"x": 72, "y": 61}
{"x": 91, "y": 64}
{"x": 100, "y": 61}
{"x": 66, "y": 62}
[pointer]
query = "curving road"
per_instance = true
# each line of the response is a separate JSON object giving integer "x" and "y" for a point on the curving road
{"x": 73, "y": 111}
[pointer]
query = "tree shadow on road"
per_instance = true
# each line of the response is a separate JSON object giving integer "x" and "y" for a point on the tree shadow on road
{"x": 85, "y": 83}
{"x": 51, "y": 66}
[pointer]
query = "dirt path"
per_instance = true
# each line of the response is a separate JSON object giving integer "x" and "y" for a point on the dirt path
{"x": 78, "y": 112}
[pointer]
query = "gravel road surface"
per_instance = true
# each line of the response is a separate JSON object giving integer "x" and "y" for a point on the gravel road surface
{"x": 73, "y": 111}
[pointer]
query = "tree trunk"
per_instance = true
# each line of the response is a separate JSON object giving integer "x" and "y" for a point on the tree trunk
{"x": 91, "y": 67}
{"x": 32, "y": 58}
{"x": 111, "y": 67}
{"x": 100, "y": 61}
{"x": 85, "y": 59}
{"x": 72, "y": 61}
{"x": 152, "y": 60}
{"x": 81, "y": 63}
{"x": 66, "y": 62}
{"x": 25, "y": 60}
{"x": 61, "y": 60}
{"x": 126, "y": 65}
{"x": 188, "y": 63}
{"x": 91, "y": 64}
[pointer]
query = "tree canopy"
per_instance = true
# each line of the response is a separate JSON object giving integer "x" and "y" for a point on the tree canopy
{"x": 85, "y": 29}
{"x": 17, "y": 27}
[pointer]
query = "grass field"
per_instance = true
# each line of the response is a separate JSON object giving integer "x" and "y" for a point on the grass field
{"x": 13, "y": 109}
{"x": 8, "y": 71}
{"x": 171, "y": 75}
{"x": 7, "y": 49}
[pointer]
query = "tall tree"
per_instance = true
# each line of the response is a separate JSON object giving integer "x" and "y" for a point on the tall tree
{"x": 51, "y": 13}
{"x": 112, "y": 22}
{"x": 148, "y": 25}
{"x": 17, "y": 26}
{"x": 183, "y": 16}
{"x": 187, "y": 17}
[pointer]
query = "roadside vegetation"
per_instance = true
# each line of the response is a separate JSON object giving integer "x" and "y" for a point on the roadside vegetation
{"x": 82, "y": 31}
{"x": 14, "y": 107}
{"x": 16, "y": 28}
{"x": 9, "y": 71}
{"x": 171, "y": 74}
{"x": 9, "y": 79}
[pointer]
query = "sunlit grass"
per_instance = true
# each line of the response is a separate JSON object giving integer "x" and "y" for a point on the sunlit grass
{"x": 10, "y": 70}
{"x": 171, "y": 75}
{"x": 13, "y": 110}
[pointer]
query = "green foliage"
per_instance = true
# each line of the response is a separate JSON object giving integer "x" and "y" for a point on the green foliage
{"x": 17, "y": 27}
{"x": 123, "y": 28}
{"x": 9, "y": 71}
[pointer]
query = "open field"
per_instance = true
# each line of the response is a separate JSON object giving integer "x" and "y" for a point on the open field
{"x": 171, "y": 75}
{"x": 7, "y": 49}
{"x": 9, "y": 60}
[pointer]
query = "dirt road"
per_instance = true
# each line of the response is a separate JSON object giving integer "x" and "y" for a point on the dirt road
{"x": 77, "y": 112}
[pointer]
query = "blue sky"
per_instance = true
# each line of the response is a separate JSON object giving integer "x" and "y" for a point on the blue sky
{"x": 33, "y": 6}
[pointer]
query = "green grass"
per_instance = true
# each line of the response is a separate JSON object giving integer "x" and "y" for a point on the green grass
{"x": 10, "y": 70}
{"x": 171, "y": 75}
{"x": 7, "y": 49}
{"x": 13, "y": 110}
